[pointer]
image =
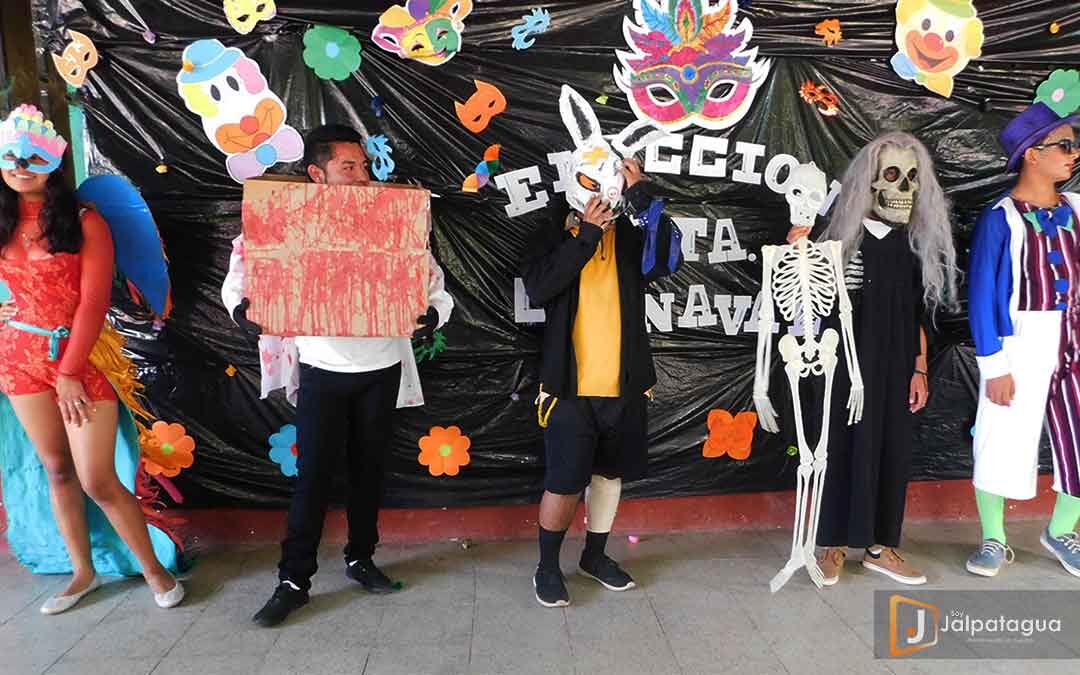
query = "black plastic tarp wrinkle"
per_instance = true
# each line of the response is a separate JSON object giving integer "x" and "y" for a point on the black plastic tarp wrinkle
{"x": 486, "y": 381}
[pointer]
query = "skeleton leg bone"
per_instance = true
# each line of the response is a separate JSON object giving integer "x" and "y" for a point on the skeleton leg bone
{"x": 827, "y": 353}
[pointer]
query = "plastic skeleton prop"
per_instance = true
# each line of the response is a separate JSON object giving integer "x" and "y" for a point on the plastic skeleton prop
{"x": 803, "y": 281}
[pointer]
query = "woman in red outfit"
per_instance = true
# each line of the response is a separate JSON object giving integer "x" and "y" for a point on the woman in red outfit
{"x": 58, "y": 266}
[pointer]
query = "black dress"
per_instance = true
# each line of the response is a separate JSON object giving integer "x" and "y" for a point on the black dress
{"x": 869, "y": 463}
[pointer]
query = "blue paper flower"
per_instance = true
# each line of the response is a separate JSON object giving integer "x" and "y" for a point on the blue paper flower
{"x": 283, "y": 449}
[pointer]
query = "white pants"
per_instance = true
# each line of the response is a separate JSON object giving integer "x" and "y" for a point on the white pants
{"x": 1007, "y": 438}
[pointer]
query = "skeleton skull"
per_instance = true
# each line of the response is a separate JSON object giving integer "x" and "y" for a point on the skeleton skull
{"x": 805, "y": 193}
{"x": 896, "y": 184}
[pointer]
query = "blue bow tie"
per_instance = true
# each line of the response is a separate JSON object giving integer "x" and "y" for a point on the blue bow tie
{"x": 1049, "y": 220}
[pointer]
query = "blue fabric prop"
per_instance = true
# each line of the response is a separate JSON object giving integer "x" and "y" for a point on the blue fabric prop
{"x": 5, "y": 293}
{"x": 139, "y": 253}
{"x": 32, "y": 533}
{"x": 55, "y": 335}
{"x": 650, "y": 221}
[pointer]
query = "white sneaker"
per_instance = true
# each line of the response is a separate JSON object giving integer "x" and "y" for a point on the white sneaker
{"x": 62, "y": 603}
{"x": 171, "y": 598}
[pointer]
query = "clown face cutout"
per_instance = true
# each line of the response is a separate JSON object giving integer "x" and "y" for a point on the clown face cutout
{"x": 936, "y": 40}
{"x": 806, "y": 190}
{"x": 688, "y": 65}
{"x": 78, "y": 57}
{"x": 896, "y": 184}
{"x": 595, "y": 166}
{"x": 240, "y": 115}
{"x": 244, "y": 14}
{"x": 428, "y": 31}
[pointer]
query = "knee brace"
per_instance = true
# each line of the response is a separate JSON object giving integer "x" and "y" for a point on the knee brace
{"x": 601, "y": 503}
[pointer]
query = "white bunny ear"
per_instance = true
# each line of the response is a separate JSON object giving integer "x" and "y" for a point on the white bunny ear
{"x": 636, "y": 136}
{"x": 579, "y": 118}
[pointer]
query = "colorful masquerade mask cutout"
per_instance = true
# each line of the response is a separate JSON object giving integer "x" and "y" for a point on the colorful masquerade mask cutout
{"x": 476, "y": 113}
{"x": 688, "y": 64}
{"x": 428, "y": 31}
{"x": 936, "y": 40}
{"x": 595, "y": 166}
{"x": 28, "y": 141}
{"x": 244, "y": 14}
{"x": 241, "y": 116}
{"x": 78, "y": 57}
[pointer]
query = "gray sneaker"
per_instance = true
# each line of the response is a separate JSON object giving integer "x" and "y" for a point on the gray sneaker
{"x": 1066, "y": 548}
{"x": 988, "y": 559}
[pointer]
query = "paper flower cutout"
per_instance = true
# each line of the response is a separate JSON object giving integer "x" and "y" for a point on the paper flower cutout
{"x": 379, "y": 151}
{"x": 484, "y": 171}
{"x": 830, "y": 32}
{"x": 283, "y": 449}
{"x": 729, "y": 435}
{"x": 333, "y": 53}
{"x": 166, "y": 449}
{"x": 533, "y": 24}
{"x": 818, "y": 95}
{"x": 444, "y": 451}
{"x": 1061, "y": 92}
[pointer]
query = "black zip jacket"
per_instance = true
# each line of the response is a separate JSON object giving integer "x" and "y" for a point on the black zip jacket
{"x": 551, "y": 267}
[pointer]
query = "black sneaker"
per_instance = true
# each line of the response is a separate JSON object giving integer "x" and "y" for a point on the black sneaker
{"x": 607, "y": 572}
{"x": 285, "y": 599}
{"x": 370, "y": 577}
{"x": 550, "y": 588}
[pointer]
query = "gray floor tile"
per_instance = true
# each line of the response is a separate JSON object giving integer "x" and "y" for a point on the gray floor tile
{"x": 180, "y": 663}
{"x": 420, "y": 658}
{"x": 344, "y": 661}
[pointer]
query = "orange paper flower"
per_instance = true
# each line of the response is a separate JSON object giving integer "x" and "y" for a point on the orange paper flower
{"x": 444, "y": 451}
{"x": 166, "y": 449}
{"x": 729, "y": 435}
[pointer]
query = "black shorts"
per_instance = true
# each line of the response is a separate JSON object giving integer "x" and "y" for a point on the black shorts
{"x": 594, "y": 435}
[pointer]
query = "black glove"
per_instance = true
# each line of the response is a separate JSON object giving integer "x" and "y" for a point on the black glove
{"x": 239, "y": 315}
{"x": 428, "y": 322}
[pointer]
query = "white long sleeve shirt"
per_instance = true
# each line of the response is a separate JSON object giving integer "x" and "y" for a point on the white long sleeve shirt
{"x": 280, "y": 357}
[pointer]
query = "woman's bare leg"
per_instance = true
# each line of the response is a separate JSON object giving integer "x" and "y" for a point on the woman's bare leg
{"x": 41, "y": 419}
{"x": 93, "y": 446}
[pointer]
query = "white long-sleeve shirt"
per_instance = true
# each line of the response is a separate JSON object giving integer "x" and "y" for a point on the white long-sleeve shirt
{"x": 280, "y": 357}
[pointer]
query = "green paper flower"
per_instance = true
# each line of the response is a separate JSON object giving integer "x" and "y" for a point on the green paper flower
{"x": 333, "y": 53}
{"x": 1061, "y": 92}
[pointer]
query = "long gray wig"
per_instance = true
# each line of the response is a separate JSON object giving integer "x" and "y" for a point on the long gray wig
{"x": 929, "y": 230}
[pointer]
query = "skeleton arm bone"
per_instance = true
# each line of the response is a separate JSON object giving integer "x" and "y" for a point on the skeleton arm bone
{"x": 855, "y": 398}
{"x": 766, "y": 320}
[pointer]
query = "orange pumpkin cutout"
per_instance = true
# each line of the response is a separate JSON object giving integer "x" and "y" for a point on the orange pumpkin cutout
{"x": 166, "y": 449}
{"x": 476, "y": 113}
{"x": 444, "y": 451}
{"x": 729, "y": 435}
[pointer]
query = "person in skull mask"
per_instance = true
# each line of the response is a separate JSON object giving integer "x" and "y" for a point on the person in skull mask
{"x": 1025, "y": 317}
{"x": 900, "y": 268}
{"x": 589, "y": 269}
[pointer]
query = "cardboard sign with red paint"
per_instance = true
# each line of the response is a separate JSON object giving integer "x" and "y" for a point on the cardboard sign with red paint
{"x": 336, "y": 260}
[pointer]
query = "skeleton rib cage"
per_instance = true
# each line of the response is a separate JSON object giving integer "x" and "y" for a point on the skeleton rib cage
{"x": 804, "y": 282}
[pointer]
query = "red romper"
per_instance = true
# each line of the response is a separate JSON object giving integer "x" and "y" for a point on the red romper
{"x": 71, "y": 290}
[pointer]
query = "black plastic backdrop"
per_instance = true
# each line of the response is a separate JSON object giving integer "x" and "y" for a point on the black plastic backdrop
{"x": 486, "y": 381}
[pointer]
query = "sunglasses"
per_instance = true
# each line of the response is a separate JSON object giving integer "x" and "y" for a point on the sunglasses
{"x": 1066, "y": 144}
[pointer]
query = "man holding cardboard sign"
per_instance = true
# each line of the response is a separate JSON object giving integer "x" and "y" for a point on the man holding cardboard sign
{"x": 343, "y": 266}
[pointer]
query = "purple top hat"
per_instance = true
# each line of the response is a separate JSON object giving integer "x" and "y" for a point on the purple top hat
{"x": 1028, "y": 128}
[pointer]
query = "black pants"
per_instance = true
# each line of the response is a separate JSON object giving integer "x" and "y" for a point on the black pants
{"x": 338, "y": 412}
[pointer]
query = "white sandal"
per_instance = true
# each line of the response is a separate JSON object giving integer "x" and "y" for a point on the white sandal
{"x": 58, "y": 604}
{"x": 171, "y": 598}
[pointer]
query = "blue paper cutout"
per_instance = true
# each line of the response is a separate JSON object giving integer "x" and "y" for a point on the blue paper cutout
{"x": 534, "y": 24}
{"x": 379, "y": 151}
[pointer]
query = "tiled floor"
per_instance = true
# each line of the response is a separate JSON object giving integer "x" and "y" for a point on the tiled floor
{"x": 703, "y": 606}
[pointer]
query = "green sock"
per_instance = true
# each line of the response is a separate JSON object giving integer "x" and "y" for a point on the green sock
{"x": 1066, "y": 513}
{"x": 992, "y": 514}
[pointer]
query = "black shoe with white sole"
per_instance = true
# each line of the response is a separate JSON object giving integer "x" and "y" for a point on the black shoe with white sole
{"x": 365, "y": 573}
{"x": 607, "y": 572}
{"x": 286, "y": 598}
{"x": 550, "y": 588}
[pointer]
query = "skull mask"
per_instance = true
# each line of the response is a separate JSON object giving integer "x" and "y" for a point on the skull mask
{"x": 805, "y": 193}
{"x": 896, "y": 184}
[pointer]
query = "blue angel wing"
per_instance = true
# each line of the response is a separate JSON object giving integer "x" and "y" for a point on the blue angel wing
{"x": 140, "y": 256}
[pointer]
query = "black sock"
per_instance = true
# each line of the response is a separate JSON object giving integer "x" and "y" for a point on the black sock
{"x": 595, "y": 542}
{"x": 550, "y": 545}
